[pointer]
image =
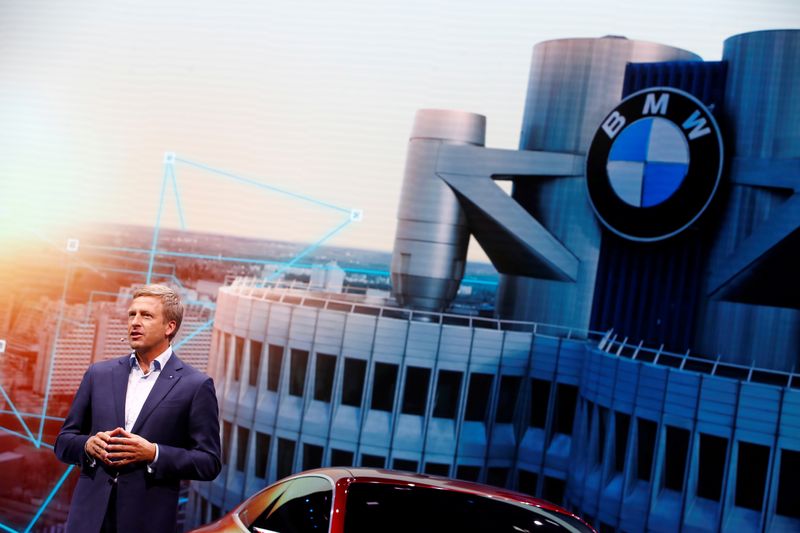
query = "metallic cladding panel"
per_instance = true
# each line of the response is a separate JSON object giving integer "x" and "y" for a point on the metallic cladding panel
{"x": 763, "y": 112}
{"x": 573, "y": 83}
{"x": 432, "y": 236}
{"x": 652, "y": 291}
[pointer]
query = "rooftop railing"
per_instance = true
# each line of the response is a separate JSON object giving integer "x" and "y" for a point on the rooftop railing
{"x": 299, "y": 293}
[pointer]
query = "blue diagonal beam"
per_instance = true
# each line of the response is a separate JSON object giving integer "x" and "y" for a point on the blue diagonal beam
{"x": 158, "y": 223}
{"x": 195, "y": 332}
{"x": 56, "y": 335}
{"x": 257, "y": 261}
{"x": 17, "y": 414}
{"x": 49, "y": 498}
{"x": 177, "y": 196}
{"x": 308, "y": 250}
{"x": 32, "y": 415}
{"x": 24, "y": 437}
{"x": 262, "y": 185}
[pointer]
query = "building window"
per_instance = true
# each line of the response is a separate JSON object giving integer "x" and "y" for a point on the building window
{"x": 312, "y": 456}
{"x": 341, "y": 458}
{"x": 478, "y": 396}
{"x": 437, "y": 469}
{"x": 645, "y": 447}
{"x": 297, "y": 372}
{"x": 238, "y": 353}
{"x": 751, "y": 475}
{"x": 323, "y": 382}
{"x": 255, "y": 361}
{"x": 468, "y": 472}
{"x": 447, "y": 391}
{"x": 540, "y": 397}
{"x": 712, "y": 466}
{"x": 527, "y": 482}
{"x": 553, "y": 490}
{"x": 226, "y": 343}
{"x": 353, "y": 385}
{"x": 623, "y": 423}
{"x": 415, "y": 395}
{"x": 285, "y": 457}
{"x": 383, "y": 386}
{"x": 275, "y": 364}
{"x": 372, "y": 461}
{"x": 497, "y": 476}
{"x": 589, "y": 410}
{"x": 602, "y": 420}
{"x": 216, "y": 512}
{"x": 227, "y": 429}
{"x": 262, "y": 454}
{"x": 788, "y": 496}
{"x": 507, "y": 402}
{"x": 404, "y": 464}
{"x": 566, "y": 401}
{"x": 676, "y": 451}
{"x": 203, "y": 510}
{"x": 242, "y": 438}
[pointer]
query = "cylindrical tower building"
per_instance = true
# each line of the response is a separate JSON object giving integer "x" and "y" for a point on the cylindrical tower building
{"x": 430, "y": 247}
{"x": 572, "y": 85}
{"x": 763, "y": 110}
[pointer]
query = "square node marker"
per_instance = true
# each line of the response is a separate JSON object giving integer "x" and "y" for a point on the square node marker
{"x": 2, "y": 345}
{"x": 356, "y": 215}
{"x": 169, "y": 157}
{"x": 73, "y": 244}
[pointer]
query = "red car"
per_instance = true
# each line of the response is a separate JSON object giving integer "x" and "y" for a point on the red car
{"x": 361, "y": 500}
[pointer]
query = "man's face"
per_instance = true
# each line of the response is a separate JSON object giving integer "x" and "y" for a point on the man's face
{"x": 147, "y": 328}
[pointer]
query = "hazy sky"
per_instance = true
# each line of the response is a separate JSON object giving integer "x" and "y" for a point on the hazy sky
{"x": 315, "y": 97}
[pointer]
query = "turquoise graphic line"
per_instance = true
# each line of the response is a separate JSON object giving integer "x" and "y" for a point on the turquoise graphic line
{"x": 24, "y": 437}
{"x": 158, "y": 224}
{"x": 308, "y": 250}
{"x": 250, "y": 260}
{"x": 56, "y": 335}
{"x": 49, "y": 498}
{"x": 162, "y": 264}
{"x": 32, "y": 415}
{"x": 262, "y": 185}
{"x": 224, "y": 258}
{"x": 17, "y": 414}
{"x": 195, "y": 332}
{"x": 177, "y": 196}
{"x": 44, "y": 505}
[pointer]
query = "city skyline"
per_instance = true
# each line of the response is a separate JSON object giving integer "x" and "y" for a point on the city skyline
{"x": 308, "y": 98}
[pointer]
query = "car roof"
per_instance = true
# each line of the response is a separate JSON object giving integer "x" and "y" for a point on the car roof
{"x": 387, "y": 476}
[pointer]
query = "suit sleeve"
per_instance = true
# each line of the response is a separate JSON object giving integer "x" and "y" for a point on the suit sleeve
{"x": 71, "y": 440}
{"x": 201, "y": 459}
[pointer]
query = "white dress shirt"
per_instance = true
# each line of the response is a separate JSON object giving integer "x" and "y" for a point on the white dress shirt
{"x": 139, "y": 387}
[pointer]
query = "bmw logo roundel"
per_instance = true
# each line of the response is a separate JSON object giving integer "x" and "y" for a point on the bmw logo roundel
{"x": 654, "y": 164}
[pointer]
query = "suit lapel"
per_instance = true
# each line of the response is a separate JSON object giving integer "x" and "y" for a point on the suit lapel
{"x": 167, "y": 378}
{"x": 119, "y": 387}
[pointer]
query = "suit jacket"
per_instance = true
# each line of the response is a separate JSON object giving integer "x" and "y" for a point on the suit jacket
{"x": 180, "y": 415}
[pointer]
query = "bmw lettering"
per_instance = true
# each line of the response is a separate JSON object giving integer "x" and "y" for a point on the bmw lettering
{"x": 654, "y": 164}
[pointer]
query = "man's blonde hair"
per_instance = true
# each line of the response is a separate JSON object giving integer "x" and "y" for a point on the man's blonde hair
{"x": 171, "y": 302}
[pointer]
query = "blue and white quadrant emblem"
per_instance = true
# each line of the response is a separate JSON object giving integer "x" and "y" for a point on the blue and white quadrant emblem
{"x": 648, "y": 162}
{"x": 654, "y": 164}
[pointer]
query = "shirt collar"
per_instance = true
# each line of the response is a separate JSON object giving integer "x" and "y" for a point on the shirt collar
{"x": 158, "y": 363}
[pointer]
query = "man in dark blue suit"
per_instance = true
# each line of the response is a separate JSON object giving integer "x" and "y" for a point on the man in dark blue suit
{"x": 138, "y": 426}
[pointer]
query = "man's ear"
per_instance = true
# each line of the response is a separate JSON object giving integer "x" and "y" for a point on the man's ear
{"x": 171, "y": 326}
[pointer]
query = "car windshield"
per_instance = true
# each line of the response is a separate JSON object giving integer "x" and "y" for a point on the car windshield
{"x": 296, "y": 506}
{"x": 394, "y": 508}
